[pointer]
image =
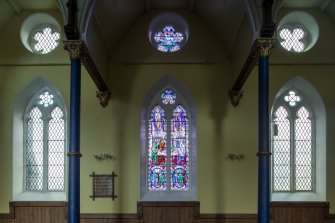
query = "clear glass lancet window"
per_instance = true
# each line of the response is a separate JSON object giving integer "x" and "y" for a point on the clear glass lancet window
{"x": 292, "y": 145}
{"x": 168, "y": 157}
{"x": 44, "y": 144}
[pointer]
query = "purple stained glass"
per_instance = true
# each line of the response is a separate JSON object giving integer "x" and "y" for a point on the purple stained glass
{"x": 157, "y": 151}
{"x": 168, "y": 40}
{"x": 168, "y": 97}
{"x": 179, "y": 177}
{"x": 179, "y": 159}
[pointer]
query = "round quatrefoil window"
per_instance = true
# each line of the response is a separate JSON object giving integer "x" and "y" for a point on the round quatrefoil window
{"x": 40, "y": 33}
{"x": 298, "y": 32}
{"x": 168, "y": 32}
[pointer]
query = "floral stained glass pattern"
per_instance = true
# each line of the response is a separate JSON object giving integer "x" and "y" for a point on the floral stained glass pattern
{"x": 168, "y": 40}
{"x": 157, "y": 150}
{"x": 179, "y": 150}
{"x": 168, "y": 97}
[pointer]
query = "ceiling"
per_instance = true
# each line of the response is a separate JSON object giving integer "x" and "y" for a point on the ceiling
{"x": 114, "y": 18}
{"x": 223, "y": 16}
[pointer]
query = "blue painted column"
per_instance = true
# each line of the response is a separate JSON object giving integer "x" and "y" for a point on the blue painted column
{"x": 74, "y": 49}
{"x": 264, "y": 47}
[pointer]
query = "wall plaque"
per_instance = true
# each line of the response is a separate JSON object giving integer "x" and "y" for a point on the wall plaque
{"x": 103, "y": 185}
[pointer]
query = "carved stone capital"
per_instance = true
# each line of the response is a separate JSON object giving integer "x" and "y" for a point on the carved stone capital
{"x": 76, "y": 48}
{"x": 265, "y": 45}
{"x": 235, "y": 97}
{"x": 104, "y": 96}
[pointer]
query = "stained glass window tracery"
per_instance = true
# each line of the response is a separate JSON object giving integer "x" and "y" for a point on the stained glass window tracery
{"x": 168, "y": 166}
{"x": 168, "y": 97}
{"x": 168, "y": 40}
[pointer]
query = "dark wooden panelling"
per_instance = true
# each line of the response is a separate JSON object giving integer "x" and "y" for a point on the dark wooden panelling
{"x": 228, "y": 218}
{"x": 109, "y": 218}
{"x": 166, "y": 212}
{"x": 39, "y": 212}
{"x": 5, "y": 218}
{"x": 299, "y": 212}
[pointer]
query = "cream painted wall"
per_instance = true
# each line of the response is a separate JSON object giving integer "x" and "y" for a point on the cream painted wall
{"x": 223, "y": 186}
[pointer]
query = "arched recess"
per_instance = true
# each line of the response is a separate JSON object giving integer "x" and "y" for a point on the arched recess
{"x": 22, "y": 102}
{"x": 185, "y": 99}
{"x": 313, "y": 101}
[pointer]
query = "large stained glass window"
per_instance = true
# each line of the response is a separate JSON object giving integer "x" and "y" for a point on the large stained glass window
{"x": 44, "y": 145}
{"x": 168, "y": 162}
{"x": 292, "y": 145}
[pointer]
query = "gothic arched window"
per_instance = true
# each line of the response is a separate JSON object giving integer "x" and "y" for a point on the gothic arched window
{"x": 168, "y": 158}
{"x": 39, "y": 144}
{"x": 298, "y": 143}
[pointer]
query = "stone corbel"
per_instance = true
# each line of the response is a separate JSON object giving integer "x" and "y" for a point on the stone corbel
{"x": 104, "y": 97}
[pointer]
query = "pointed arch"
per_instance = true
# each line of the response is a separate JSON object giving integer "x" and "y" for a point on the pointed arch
{"x": 298, "y": 141}
{"x": 39, "y": 143}
{"x": 178, "y": 163}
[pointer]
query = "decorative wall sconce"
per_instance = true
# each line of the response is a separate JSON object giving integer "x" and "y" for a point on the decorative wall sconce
{"x": 104, "y": 156}
{"x": 235, "y": 156}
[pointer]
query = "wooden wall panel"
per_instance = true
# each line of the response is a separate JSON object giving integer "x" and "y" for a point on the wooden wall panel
{"x": 39, "y": 212}
{"x": 299, "y": 212}
{"x": 228, "y": 218}
{"x": 167, "y": 212}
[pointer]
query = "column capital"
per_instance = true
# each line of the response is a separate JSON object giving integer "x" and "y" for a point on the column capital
{"x": 264, "y": 46}
{"x": 76, "y": 48}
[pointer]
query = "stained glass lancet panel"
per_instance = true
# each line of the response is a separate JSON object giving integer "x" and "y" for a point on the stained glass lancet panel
{"x": 56, "y": 142}
{"x": 157, "y": 150}
{"x": 303, "y": 150}
{"x": 179, "y": 150}
{"x": 34, "y": 151}
{"x": 281, "y": 151}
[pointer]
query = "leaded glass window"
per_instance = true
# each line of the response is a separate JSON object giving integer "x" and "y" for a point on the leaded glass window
{"x": 168, "y": 159}
{"x": 168, "y": 40}
{"x": 45, "y": 39}
{"x": 292, "y": 144}
{"x": 44, "y": 144}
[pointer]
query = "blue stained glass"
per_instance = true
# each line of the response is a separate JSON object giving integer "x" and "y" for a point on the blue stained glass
{"x": 157, "y": 150}
{"x": 168, "y": 40}
{"x": 179, "y": 159}
{"x": 179, "y": 178}
{"x": 168, "y": 97}
{"x": 156, "y": 178}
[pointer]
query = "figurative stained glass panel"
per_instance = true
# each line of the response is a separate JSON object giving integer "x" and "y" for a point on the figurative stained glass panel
{"x": 179, "y": 159}
{"x": 157, "y": 151}
{"x": 281, "y": 151}
{"x": 303, "y": 150}
{"x": 168, "y": 40}
{"x": 168, "y": 97}
{"x": 34, "y": 151}
{"x": 56, "y": 142}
